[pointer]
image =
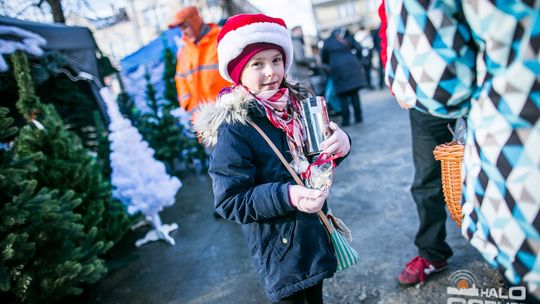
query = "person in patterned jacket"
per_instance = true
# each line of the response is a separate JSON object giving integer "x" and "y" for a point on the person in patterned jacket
{"x": 427, "y": 132}
{"x": 480, "y": 59}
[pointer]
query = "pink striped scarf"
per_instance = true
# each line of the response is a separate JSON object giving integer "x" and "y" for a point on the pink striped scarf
{"x": 284, "y": 112}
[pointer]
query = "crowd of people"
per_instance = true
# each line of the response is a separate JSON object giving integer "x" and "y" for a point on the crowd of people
{"x": 441, "y": 62}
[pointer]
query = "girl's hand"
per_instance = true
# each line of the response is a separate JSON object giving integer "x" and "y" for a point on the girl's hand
{"x": 337, "y": 143}
{"x": 307, "y": 200}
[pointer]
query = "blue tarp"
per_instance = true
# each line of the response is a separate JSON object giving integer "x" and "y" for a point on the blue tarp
{"x": 149, "y": 59}
{"x": 151, "y": 51}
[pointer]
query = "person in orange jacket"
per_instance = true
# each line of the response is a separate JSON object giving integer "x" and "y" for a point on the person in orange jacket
{"x": 197, "y": 76}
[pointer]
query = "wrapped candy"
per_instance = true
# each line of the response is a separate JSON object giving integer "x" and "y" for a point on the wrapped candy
{"x": 320, "y": 173}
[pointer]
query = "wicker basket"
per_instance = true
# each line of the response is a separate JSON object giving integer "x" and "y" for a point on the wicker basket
{"x": 451, "y": 157}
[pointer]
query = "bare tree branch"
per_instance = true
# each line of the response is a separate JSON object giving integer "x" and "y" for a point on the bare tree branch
{"x": 57, "y": 11}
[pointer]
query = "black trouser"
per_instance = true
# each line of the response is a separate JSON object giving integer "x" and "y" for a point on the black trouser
{"x": 380, "y": 69}
{"x": 311, "y": 295}
{"x": 354, "y": 98}
{"x": 427, "y": 132}
{"x": 367, "y": 71}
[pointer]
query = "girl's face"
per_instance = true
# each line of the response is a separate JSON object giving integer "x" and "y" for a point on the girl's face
{"x": 264, "y": 71}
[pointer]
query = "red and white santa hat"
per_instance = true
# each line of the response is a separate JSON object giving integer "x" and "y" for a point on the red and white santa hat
{"x": 244, "y": 35}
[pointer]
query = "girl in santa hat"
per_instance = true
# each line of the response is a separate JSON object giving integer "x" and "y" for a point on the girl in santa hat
{"x": 288, "y": 244}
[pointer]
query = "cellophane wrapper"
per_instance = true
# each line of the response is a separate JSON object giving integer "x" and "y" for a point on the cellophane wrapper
{"x": 321, "y": 176}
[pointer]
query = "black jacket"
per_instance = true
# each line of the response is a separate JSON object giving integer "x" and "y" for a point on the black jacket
{"x": 290, "y": 249}
{"x": 343, "y": 58}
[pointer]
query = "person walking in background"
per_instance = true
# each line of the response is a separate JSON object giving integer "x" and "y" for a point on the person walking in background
{"x": 364, "y": 39}
{"x": 301, "y": 65}
{"x": 377, "y": 48}
{"x": 197, "y": 76}
{"x": 288, "y": 244}
{"x": 341, "y": 52}
{"x": 365, "y": 58}
{"x": 481, "y": 60}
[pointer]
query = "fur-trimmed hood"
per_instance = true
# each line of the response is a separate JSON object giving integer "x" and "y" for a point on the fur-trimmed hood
{"x": 230, "y": 107}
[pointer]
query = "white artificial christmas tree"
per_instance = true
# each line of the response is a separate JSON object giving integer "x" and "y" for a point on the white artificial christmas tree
{"x": 140, "y": 181}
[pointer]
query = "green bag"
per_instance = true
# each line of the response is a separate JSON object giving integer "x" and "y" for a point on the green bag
{"x": 346, "y": 256}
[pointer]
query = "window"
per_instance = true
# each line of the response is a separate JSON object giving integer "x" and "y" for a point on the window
{"x": 155, "y": 17}
{"x": 346, "y": 10}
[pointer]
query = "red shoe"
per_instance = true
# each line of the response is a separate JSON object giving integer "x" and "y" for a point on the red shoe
{"x": 418, "y": 269}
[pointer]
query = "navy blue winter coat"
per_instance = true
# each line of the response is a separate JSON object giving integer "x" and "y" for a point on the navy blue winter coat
{"x": 346, "y": 69}
{"x": 290, "y": 249}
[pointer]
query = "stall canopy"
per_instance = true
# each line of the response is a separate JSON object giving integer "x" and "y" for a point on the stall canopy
{"x": 76, "y": 43}
{"x": 151, "y": 51}
{"x": 148, "y": 59}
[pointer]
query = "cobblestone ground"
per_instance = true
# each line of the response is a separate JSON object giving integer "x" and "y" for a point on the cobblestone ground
{"x": 210, "y": 264}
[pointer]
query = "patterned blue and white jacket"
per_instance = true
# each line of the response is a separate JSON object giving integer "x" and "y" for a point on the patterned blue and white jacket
{"x": 481, "y": 59}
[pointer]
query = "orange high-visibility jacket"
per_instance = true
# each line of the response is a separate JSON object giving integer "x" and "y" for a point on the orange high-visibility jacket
{"x": 197, "y": 75}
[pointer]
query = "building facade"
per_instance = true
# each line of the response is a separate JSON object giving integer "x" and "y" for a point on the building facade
{"x": 140, "y": 21}
{"x": 352, "y": 14}
{"x": 146, "y": 19}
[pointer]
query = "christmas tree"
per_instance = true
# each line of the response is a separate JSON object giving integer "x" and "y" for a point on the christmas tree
{"x": 192, "y": 151}
{"x": 140, "y": 181}
{"x": 45, "y": 253}
{"x": 127, "y": 108}
{"x": 102, "y": 153}
{"x": 169, "y": 71}
{"x": 55, "y": 205}
{"x": 162, "y": 130}
{"x": 73, "y": 100}
{"x": 67, "y": 165}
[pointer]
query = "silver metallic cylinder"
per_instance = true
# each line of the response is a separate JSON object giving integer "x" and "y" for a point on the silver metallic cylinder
{"x": 316, "y": 123}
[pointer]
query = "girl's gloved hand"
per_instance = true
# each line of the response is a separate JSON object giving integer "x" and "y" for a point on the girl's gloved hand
{"x": 307, "y": 200}
{"x": 338, "y": 143}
